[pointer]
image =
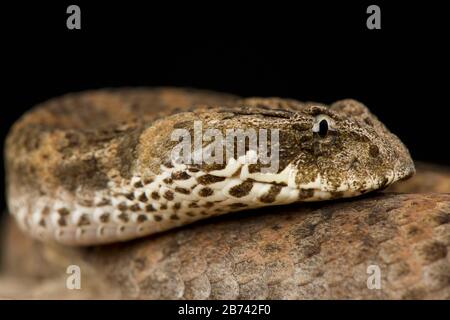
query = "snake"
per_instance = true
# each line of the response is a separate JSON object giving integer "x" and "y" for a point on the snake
{"x": 97, "y": 167}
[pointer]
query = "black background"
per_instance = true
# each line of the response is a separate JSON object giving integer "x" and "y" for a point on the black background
{"x": 320, "y": 51}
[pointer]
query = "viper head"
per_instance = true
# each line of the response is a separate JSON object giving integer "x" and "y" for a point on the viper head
{"x": 321, "y": 151}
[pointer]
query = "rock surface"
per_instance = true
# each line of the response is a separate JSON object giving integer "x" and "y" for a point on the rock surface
{"x": 302, "y": 251}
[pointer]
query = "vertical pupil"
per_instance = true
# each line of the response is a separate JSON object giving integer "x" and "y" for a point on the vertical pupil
{"x": 323, "y": 128}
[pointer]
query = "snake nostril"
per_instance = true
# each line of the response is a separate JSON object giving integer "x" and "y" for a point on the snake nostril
{"x": 374, "y": 151}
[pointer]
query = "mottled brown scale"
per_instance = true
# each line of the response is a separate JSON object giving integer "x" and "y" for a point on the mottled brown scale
{"x": 271, "y": 195}
{"x": 206, "y": 192}
{"x": 209, "y": 179}
{"x": 124, "y": 217}
{"x": 104, "y": 217}
{"x": 141, "y": 218}
{"x": 242, "y": 189}
{"x": 168, "y": 195}
{"x": 176, "y": 206}
{"x": 182, "y": 190}
{"x": 63, "y": 212}
{"x": 155, "y": 195}
{"x": 138, "y": 184}
{"x": 143, "y": 198}
{"x": 84, "y": 220}
{"x": 122, "y": 206}
{"x": 103, "y": 202}
{"x": 135, "y": 207}
{"x": 180, "y": 175}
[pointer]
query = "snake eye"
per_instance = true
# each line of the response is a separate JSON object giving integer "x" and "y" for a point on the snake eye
{"x": 322, "y": 124}
{"x": 323, "y": 128}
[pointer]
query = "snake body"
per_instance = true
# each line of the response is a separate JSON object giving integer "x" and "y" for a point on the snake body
{"x": 96, "y": 167}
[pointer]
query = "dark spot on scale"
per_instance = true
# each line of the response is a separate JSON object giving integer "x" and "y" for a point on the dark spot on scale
{"x": 193, "y": 205}
{"x": 104, "y": 202}
{"x": 141, "y": 218}
{"x": 45, "y": 211}
{"x": 84, "y": 220}
{"x": 254, "y": 167}
{"x": 129, "y": 196}
{"x": 174, "y": 217}
{"x": 143, "y": 198}
{"x": 122, "y": 206}
{"x": 434, "y": 251}
{"x": 63, "y": 211}
{"x": 155, "y": 195}
{"x": 241, "y": 190}
{"x": 190, "y": 214}
{"x": 176, "y": 205}
{"x": 208, "y": 204}
{"x": 138, "y": 184}
{"x": 168, "y": 195}
{"x": 62, "y": 221}
{"x": 163, "y": 207}
{"x": 135, "y": 207}
{"x": 182, "y": 190}
{"x": 209, "y": 179}
{"x": 180, "y": 175}
{"x": 374, "y": 151}
{"x": 413, "y": 230}
{"x": 148, "y": 180}
{"x": 168, "y": 164}
{"x": 305, "y": 193}
{"x": 168, "y": 180}
{"x": 124, "y": 217}
{"x": 193, "y": 170}
{"x": 441, "y": 217}
{"x": 104, "y": 218}
{"x": 157, "y": 217}
{"x": 42, "y": 222}
{"x": 271, "y": 195}
{"x": 150, "y": 208}
{"x": 206, "y": 192}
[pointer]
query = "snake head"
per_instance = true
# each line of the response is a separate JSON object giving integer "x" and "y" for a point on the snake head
{"x": 323, "y": 152}
{"x": 344, "y": 150}
{"x": 315, "y": 151}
